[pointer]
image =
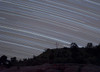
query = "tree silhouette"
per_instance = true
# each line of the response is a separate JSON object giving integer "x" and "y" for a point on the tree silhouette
{"x": 74, "y": 45}
{"x": 4, "y": 61}
{"x": 14, "y": 61}
{"x": 89, "y": 45}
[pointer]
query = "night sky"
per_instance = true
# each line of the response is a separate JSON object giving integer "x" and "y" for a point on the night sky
{"x": 28, "y": 27}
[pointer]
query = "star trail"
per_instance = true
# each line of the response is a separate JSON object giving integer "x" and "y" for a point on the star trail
{"x": 28, "y": 27}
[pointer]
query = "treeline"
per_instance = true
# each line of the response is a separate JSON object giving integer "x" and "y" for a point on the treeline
{"x": 74, "y": 54}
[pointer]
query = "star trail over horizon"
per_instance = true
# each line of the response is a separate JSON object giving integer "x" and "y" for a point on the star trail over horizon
{"x": 28, "y": 27}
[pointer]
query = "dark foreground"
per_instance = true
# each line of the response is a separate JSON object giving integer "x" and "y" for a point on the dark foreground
{"x": 54, "y": 68}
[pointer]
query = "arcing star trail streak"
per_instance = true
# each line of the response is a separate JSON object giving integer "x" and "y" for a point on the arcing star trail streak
{"x": 29, "y": 27}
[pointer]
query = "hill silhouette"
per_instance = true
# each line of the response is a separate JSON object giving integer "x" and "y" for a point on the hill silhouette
{"x": 81, "y": 55}
{"x": 66, "y": 58}
{"x": 74, "y": 54}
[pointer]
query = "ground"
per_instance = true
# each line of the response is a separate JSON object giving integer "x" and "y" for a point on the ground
{"x": 54, "y": 68}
